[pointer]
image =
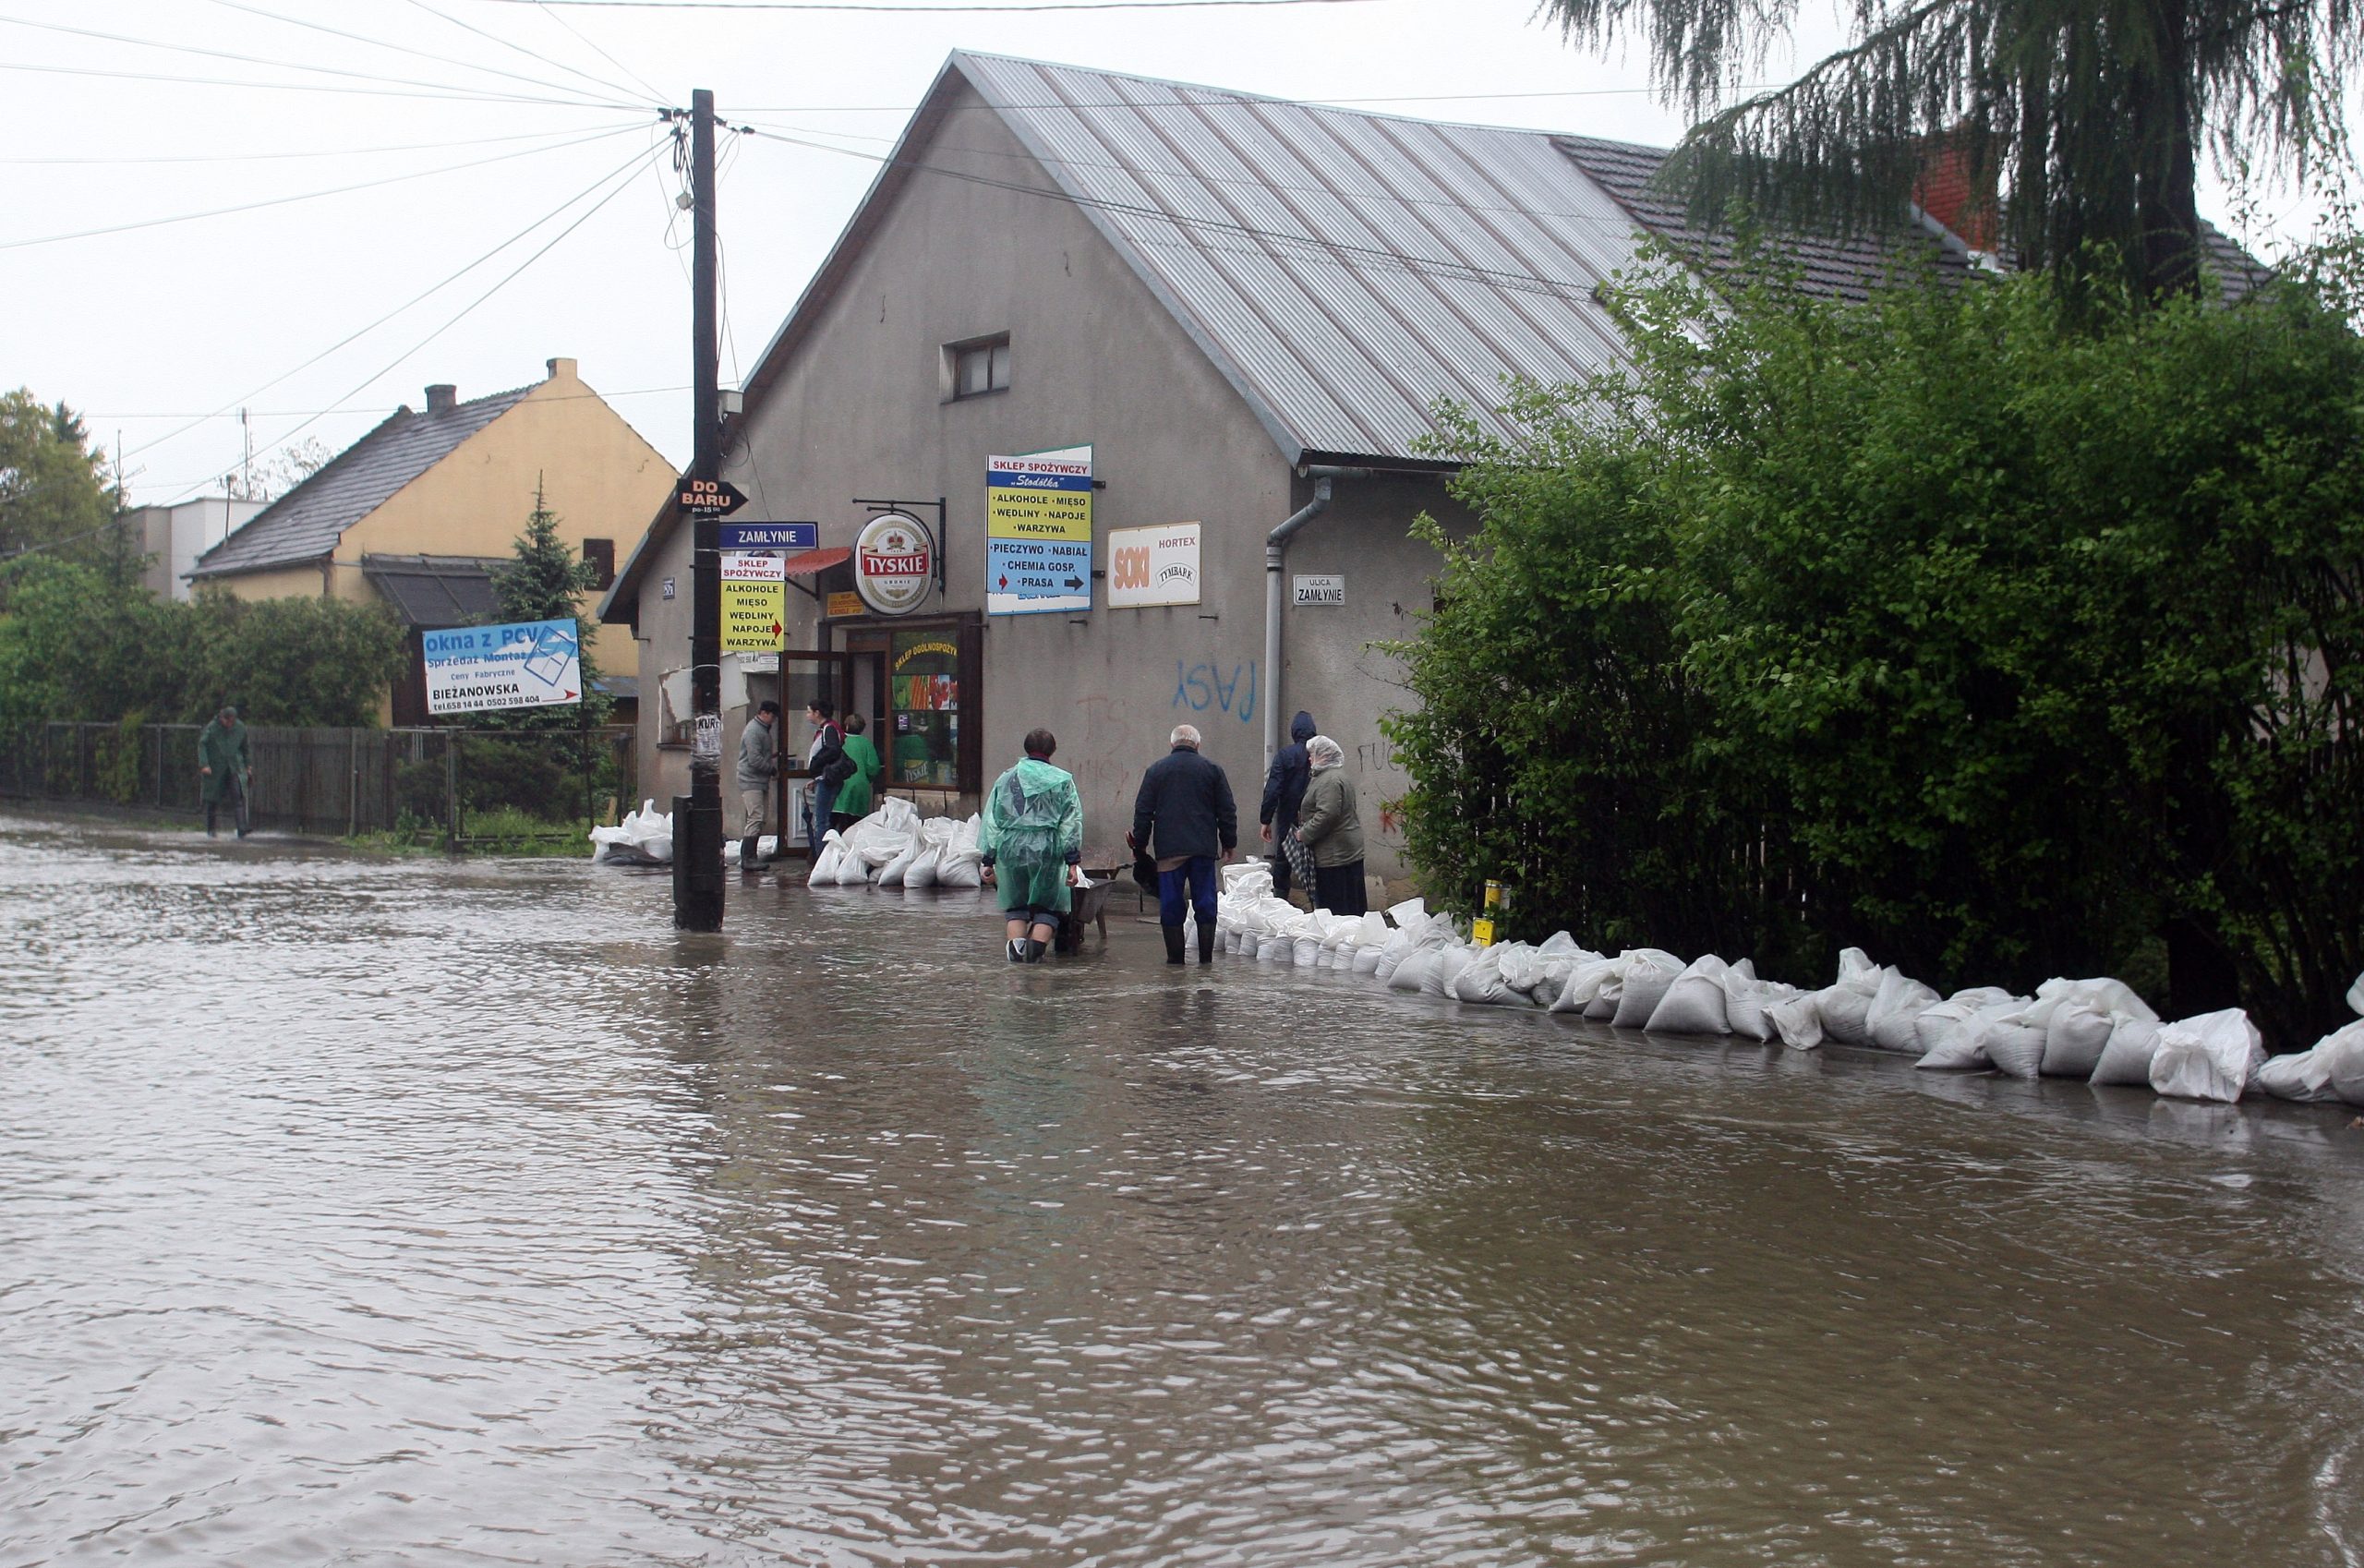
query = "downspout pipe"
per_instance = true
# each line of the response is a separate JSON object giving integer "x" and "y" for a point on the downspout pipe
{"x": 1277, "y": 555}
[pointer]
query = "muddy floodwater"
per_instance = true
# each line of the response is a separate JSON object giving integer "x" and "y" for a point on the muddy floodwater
{"x": 361, "y": 1211}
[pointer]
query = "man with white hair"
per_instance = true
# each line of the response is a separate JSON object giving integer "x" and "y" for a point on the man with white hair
{"x": 1183, "y": 818}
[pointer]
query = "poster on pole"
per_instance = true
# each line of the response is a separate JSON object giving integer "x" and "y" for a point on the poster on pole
{"x": 522, "y": 664}
{"x": 1153, "y": 566}
{"x": 1038, "y": 532}
{"x": 754, "y": 601}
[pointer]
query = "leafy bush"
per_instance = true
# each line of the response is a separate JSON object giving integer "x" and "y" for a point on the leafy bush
{"x": 2003, "y": 644}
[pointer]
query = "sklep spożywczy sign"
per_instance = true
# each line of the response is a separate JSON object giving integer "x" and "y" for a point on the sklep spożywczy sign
{"x": 523, "y": 664}
{"x": 1038, "y": 532}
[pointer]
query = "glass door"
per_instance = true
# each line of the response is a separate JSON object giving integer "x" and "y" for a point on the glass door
{"x": 806, "y": 675}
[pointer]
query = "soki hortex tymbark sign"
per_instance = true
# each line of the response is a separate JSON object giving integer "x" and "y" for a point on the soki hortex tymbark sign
{"x": 894, "y": 563}
{"x": 521, "y": 664}
{"x": 1038, "y": 532}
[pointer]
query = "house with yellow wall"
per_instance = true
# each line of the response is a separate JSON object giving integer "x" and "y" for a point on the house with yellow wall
{"x": 415, "y": 513}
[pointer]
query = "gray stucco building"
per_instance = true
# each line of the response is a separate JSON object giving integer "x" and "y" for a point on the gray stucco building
{"x": 1220, "y": 295}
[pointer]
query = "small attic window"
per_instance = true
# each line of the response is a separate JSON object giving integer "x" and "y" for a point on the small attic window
{"x": 979, "y": 367}
{"x": 601, "y": 555}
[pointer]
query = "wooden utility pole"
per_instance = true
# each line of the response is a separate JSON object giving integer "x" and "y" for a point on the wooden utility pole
{"x": 698, "y": 818}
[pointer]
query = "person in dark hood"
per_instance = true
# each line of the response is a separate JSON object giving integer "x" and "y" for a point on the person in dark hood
{"x": 1284, "y": 795}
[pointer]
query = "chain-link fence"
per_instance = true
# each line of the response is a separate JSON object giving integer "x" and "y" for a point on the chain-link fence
{"x": 462, "y": 789}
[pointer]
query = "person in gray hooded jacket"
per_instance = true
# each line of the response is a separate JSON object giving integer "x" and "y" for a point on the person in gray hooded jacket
{"x": 758, "y": 765}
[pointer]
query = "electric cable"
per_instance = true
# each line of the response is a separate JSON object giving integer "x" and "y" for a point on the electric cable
{"x": 294, "y": 153}
{"x": 593, "y": 45}
{"x": 519, "y": 48}
{"x": 427, "y": 55}
{"x": 252, "y": 59}
{"x": 100, "y": 73}
{"x": 313, "y": 195}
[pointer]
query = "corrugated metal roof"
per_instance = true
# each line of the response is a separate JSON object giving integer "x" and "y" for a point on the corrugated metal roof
{"x": 1344, "y": 269}
{"x": 306, "y": 523}
{"x": 436, "y": 591}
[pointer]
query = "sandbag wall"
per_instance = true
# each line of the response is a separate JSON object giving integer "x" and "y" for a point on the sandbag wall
{"x": 2096, "y": 1029}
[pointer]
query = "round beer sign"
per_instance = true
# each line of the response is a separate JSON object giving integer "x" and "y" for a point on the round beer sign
{"x": 892, "y": 568}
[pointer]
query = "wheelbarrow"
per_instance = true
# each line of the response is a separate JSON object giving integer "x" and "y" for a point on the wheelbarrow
{"x": 1087, "y": 906}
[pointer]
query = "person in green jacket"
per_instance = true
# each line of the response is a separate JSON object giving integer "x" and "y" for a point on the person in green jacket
{"x": 1030, "y": 837}
{"x": 224, "y": 768}
{"x": 854, "y": 800}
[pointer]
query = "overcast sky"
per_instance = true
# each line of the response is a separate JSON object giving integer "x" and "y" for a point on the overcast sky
{"x": 159, "y": 331}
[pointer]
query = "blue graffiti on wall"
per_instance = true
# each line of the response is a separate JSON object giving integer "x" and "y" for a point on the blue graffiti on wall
{"x": 1202, "y": 686}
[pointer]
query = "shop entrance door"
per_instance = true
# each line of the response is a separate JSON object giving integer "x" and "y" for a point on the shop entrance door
{"x": 806, "y": 675}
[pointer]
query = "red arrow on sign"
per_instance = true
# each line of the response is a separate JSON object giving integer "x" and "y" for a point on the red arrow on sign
{"x": 1004, "y": 581}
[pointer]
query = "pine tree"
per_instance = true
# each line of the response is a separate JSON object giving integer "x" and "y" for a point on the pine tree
{"x": 545, "y": 582}
{"x": 2088, "y": 115}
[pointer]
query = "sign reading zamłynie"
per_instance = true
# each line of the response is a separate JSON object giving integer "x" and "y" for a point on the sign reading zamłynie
{"x": 523, "y": 664}
{"x": 720, "y": 497}
{"x": 1038, "y": 532}
{"x": 1325, "y": 590}
{"x": 754, "y": 601}
{"x": 789, "y": 536}
{"x": 894, "y": 569}
{"x": 1153, "y": 566}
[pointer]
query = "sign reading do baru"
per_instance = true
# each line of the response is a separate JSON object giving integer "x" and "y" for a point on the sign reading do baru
{"x": 523, "y": 664}
{"x": 1038, "y": 532}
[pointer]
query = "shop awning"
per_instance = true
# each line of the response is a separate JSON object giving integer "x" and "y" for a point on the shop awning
{"x": 814, "y": 561}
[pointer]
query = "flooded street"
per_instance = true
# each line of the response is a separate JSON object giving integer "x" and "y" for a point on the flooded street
{"x": 382, "y": 1211}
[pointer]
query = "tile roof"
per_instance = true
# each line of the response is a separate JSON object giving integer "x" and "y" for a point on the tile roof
{"x": 437, "y": 590}
{"x": 306, "y": 523}
{"x": 1842, "y": 266}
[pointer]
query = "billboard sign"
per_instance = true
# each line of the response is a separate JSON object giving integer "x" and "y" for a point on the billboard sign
{"x": 1038, "y": 532}
{"x": 521, "y": 664}
{"x": 1153, "y": 566}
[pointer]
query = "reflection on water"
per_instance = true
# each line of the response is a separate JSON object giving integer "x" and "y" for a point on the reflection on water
{"x": 409, "y": 1212}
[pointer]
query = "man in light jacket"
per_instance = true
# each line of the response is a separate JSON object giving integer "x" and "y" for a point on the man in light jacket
{"x": 758, "y": 765}
{"x": 1183, "y": 817}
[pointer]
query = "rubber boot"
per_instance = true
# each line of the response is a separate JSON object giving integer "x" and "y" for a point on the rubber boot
{"x": 1034, "y": 950}
{"x": 747, "y": 860}
{"x": 1017, "y": 945}
{"x": 1173, "y": 943}
{"x": 1207, "y": 942}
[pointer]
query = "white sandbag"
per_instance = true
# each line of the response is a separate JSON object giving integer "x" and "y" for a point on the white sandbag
{"x": 1963, "y": 1047}
{"x": 1366, "y": 958}
{"x": 1416, "y": 910}
{"x": 1411, "y": 973}
{"x": 1749, "y": 1002}
{"x": 2127, "y": 1059}
{"x": 2355, "y": 992}
{"x": 1846, "y": 1013}
{"x": 1583, "y": 985}
{"x": 1484, "y": 983}
{"x": 1440, "y": 979}
{"x": 2306, "y": 1076}
{"x": 1307, "y": 952}
{"x": 1649, "y": 973}
{"x": 2207, "y": 1057}
{"x": 1941, "y": 1024}
{"x": 851, "y": 870}
{"x": 1694, "y": 1003}
{"x": 882, "y": 849}
{"x": 1398, "y": 948}
{"x": 1515, "y": 962}
{"x": 2344, "y": 1054}
{"x": 825, "y": 864}
{"x": 960, "y": 868}
{"x": 1895, "y": 1006}
{"x": 2014, "y": 1045}
{"x": 1798, "y": 1020}
{"x": 922, "y": 872}
{"x": 891, "y": 873}
{"x": 2074, "y": 1038}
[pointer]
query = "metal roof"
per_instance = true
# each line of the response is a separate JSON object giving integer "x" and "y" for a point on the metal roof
{"x": 436, "y": 591}
{"x": 306, "y": 523}
{"x": 1342, "y": 270}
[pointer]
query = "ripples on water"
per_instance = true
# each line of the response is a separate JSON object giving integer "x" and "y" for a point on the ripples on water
{"x": 368, "y": 1211}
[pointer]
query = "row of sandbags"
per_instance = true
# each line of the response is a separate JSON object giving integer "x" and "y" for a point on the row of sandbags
{"x": 644, "y": 837}
{"x": 2096, "y": 1029}
{"x": 892, "y": 848}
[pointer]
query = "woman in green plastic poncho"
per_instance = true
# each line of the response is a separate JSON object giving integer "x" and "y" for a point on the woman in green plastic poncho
{"x": 1032, "y": 839}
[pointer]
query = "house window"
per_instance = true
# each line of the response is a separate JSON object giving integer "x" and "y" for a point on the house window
{"x": 979, "y": 368}
{"x": 601, "y": 554}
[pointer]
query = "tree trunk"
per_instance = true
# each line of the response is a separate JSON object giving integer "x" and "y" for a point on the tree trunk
{"x": 2167, "y": 197}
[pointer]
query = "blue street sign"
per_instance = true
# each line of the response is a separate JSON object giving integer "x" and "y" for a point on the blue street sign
{"x": 769, "y": 535}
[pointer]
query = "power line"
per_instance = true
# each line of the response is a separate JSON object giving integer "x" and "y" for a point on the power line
{"x": 362, "y": 332}
{"x": 420, "y": 54}
{"x": 922, "y": 10}
{"x": 1227, "y": 101}
{"x": 241, "y": 59}
{"x": 519, "y": 48}
{"x": 461, "y": 97}
{"x": 313, "y": 195}
{"x": 226, "y": 412}
{"x": 299, "y": 153}
{"x": 628, "y": 170}
{"x": 594, "y": 45}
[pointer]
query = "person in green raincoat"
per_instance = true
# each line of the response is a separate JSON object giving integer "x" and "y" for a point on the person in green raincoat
{"x": 1031, "y": 836}
{"x": 854, "y": 802}
{"x": 223, "y": 768}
